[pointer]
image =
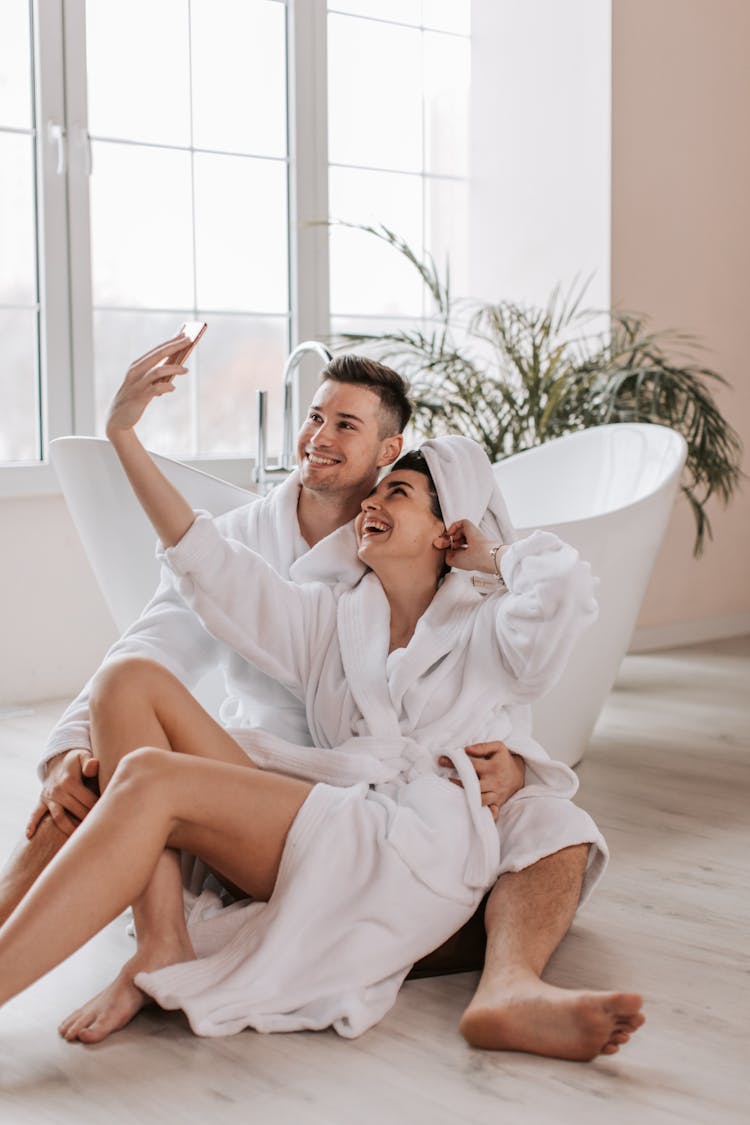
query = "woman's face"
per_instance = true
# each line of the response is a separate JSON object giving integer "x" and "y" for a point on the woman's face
{"x": 397, "y": 522}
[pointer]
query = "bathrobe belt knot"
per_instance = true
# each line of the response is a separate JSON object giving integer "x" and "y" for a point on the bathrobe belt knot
{"x": 384, "y": 763}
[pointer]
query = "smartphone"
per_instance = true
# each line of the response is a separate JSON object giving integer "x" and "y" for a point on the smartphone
{"x": 193, "y": 329}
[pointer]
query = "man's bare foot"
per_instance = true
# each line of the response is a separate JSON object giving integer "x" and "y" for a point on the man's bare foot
{"x": 531, "y": 1015}
{"x": 116, "y": 1005}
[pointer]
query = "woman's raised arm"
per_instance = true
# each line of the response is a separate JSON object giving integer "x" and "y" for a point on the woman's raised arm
{"x": 148, "y": 378}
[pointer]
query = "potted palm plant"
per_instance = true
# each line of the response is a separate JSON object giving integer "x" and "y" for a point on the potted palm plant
{"x": 512, "y": 376}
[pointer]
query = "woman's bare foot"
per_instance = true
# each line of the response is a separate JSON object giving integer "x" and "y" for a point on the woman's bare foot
{"x": 530, "y": 1015}
{"x": 116, "y": 1005}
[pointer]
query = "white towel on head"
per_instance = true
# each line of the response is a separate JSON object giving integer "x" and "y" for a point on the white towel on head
{"x": 466, "y": 486}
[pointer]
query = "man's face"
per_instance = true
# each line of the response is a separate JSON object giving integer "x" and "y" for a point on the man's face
{"x": 339, "y": 447}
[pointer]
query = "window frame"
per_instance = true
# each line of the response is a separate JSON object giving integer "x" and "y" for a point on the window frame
{"x": 65, "y": 317}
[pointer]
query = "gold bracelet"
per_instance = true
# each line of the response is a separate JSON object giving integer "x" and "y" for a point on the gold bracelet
{"x": 493, "y": 556}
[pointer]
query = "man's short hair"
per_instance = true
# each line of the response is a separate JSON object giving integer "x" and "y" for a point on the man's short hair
{"x": 390, "y": 387}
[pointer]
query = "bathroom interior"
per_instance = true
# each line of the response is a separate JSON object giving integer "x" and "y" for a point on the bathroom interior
{"x": 177, "y": 160}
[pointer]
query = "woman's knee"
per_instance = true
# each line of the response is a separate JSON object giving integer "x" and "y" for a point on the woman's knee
{"x": 146, "y": 770}
{"x": 122, "y": 679}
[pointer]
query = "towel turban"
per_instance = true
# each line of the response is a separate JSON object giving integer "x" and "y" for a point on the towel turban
{"x": 466, "y": 486}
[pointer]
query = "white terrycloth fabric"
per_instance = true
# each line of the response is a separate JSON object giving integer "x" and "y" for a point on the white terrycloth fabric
{"x": 452, "y": 461}
{"x": 170, "y": 633}
{"x": 425, "y": 851}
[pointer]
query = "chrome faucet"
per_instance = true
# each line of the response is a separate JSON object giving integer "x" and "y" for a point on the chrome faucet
{"x": 265, "y": 473}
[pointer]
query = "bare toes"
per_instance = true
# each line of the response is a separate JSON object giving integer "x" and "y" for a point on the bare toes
{"x": 95, "y": 1033}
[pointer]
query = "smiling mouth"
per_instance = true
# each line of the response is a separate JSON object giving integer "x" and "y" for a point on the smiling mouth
{"x": 371, "y": 526}
{"x": 316, "y": 459}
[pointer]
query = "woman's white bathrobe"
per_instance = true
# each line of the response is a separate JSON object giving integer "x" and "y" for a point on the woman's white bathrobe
{"x": 379, "y": 873}
{"x": 170, "y": 633}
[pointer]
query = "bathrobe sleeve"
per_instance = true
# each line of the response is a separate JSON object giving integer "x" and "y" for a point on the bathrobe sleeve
{"x": 549, "y": 603}
{"x": 242, "y": 601}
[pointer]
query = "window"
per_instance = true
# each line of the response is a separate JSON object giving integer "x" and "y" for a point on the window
{"x": 179, "y": 174}
{"x": 20, "y": 430}
{"x": 398, "y": 150}
{"x": 188, "y": 198}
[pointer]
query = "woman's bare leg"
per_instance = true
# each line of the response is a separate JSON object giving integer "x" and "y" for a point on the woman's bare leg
{"x": 134, "y": 703}
{"x": 156, "y": 799}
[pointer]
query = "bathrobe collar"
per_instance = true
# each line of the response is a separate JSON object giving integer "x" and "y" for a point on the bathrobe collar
{"x": 363, "y": 617}
{"x": 436, "y": 635}
{"x": 364, "y": 629}
{"x": 333, "y": 560}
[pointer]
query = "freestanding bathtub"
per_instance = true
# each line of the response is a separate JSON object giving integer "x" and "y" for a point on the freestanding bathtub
{"x": 608, "y": 491}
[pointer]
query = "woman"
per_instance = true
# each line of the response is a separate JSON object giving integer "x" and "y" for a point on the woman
{"x": 352, "y": 882}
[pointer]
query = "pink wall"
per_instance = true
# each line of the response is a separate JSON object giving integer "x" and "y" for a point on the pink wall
{"x": 681, "y": 245}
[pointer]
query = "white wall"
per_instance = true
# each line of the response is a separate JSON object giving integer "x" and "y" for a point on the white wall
{"x": 54, "y": 625}
{"x": 681, "y": 253}
{"x": 540, "y": 148}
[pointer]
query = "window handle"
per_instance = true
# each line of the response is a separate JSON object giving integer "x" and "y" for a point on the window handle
{"x": 56, "y": 136}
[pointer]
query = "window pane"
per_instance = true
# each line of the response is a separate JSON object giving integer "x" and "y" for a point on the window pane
{"x": 19, "y": 432}
{"x": 238, "y": 357}
{"x": 120, "y": 338}
{"x": 374, "y": 94}
{"x": 367, "y": 276}
{"x": 17, "y": 233}
{"x": 447, "y": 67}
{"x": 141, "y": 227}
{"x": 15, "y": 65}
{"x": 138, "y": 74}
{"x": 447, "y": 229}
{"x": 401, "y": 11}
{"x": 447, "y": 15}
{"x": 241, "y": 233}
{"x": 239, "y": 76}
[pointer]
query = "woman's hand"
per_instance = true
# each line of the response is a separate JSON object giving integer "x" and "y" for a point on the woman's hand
{"x": 467, "y": 548}
{"x": 147, "y": 378}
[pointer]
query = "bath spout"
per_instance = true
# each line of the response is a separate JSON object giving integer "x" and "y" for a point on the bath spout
{"x": 307, "y": 347}
{"x": 266, "y": 474}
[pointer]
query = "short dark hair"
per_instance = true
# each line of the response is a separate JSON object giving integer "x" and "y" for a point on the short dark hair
{"x": 390, "y": 387}
{"x": 415, "y": 460}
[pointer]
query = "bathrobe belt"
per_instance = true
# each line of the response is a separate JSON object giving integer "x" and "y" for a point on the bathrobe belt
{"x": 381, "y": 762}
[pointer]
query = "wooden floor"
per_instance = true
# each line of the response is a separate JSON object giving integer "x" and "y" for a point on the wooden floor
{"x": 667, "y": 777}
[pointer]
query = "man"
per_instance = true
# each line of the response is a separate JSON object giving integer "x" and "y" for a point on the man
{"x": 353, "y": 429}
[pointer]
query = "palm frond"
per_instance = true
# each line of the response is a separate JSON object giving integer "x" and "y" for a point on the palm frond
{"x": 512, "y": 376}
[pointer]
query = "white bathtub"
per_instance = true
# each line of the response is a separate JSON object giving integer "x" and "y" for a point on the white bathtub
{"x": 608, "y": 491}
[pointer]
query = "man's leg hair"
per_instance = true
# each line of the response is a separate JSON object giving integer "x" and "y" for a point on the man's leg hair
{"x": 26, "y": 863}
{"x": 527, "y": 915}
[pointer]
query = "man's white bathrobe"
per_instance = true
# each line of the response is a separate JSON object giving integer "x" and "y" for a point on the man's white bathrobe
{"x": 376, "y": 874}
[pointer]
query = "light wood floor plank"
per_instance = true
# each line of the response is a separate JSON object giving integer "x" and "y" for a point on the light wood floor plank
{"x": 667, "y": 777}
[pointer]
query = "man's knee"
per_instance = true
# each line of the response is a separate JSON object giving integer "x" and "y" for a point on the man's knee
{"x": 125, "y": 678}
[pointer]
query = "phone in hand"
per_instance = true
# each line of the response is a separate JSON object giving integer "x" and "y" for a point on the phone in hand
{"x": 193, "y": 329}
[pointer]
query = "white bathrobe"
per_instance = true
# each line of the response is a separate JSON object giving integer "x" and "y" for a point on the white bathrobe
{"x": 170, "y": 633}
{"x": 376, "y": 875}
